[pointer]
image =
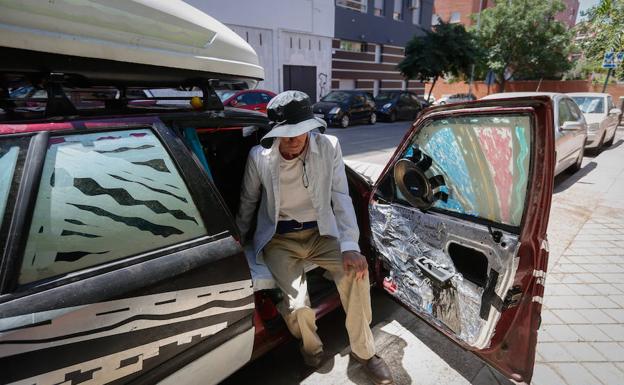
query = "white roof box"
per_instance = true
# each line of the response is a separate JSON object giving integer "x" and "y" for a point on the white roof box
{"x": 167, "y": 33}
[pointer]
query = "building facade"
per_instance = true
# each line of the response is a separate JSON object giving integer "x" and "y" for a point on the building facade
{"x": 461, "y": 11}
{"x": 293, "y": 39}
{"x": 370, "y": 36}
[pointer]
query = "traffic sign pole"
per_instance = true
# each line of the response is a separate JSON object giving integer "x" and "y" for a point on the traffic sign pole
{"x": 604, "y": 87}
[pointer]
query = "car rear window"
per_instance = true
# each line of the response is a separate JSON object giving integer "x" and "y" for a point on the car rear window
{"x": 105, "y": 196}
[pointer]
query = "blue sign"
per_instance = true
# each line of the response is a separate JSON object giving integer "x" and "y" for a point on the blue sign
{"x": 490, "y": 78}
{"x": 619, "y": 58}
{"x": 609, "y": 60}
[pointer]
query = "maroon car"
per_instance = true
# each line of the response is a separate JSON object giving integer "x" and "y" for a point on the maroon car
{"x": 255, "y": 100}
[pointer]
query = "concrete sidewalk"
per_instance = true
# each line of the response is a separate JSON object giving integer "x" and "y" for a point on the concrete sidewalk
{"x": 581, "y": 340}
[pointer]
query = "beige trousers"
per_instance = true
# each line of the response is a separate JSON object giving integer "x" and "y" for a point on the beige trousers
{"x": 285, "y": 256}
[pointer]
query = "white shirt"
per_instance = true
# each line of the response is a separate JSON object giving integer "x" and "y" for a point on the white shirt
{"x": 328, "y": 191}
{"x": 295, "y": 202}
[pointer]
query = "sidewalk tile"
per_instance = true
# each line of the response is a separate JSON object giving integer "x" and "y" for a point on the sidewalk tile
{"x": 616, "y": 314}
{"x": 568, "y": 316}
{"x": 584, "y": 259}
{"x": 582, "y": 289}
{"x": 602, "y": 268}
{"x": 583, "y": 351}
{"x": 601, "y": 302}
{"x": 597, "y": 316}
{"x": 590, "y": 333}
{"x": 568, "y": 302}
{"x": 554, "y": 352}
{"x": 544, "y": 375}
{"x": 606, "y": 288}
{"x": 610, "y": 277}
{"x": 588, "y": 278}
{"x": 619, "y": 299}
{"x": 575, "y": 374}
{"x": 570, "y": 268}
{"x": 561, "y": 333}
{"x": 611, "y": 350}
{"x": 574, "y": 278}
{"x": 619, "y": 286}
{"x": 549, "y": 318}
{"x": 606, "y": 372}
{"x": 615, "y": 331}
{"x": 543, "y": 336}
{"x": 558, "y": 289}
{"x": 614, "y": 258}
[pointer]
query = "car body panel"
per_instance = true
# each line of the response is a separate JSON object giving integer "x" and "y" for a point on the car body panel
{"x": 504, "y": 334}
{"x": 399, "y": 104}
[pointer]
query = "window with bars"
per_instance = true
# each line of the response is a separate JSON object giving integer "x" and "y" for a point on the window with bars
{"x": 356, "y": 5}
{"x": 379, "y": 7}
{"x": 415, "y": 7}
{"x": 398, "y": 10}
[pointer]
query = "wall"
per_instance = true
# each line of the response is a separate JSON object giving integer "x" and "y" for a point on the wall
{"x": 480, "y": 89}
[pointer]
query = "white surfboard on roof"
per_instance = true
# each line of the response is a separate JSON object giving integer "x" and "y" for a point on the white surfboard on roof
{"x": 165, "y": 33}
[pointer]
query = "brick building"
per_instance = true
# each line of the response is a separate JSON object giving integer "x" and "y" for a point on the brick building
{"x": 460, "y": 11}
{"x": 369, "y": 41}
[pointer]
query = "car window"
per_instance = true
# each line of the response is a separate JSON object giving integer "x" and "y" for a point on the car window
{"x": 12, "y": 155}
{"x": 590, "y": 104}
{"x": 574, "y": 110}
{"x": 358, "y": 99}
{"x": 481, "y": 164}
{"x": 336, "y": 96}
{"x": 248, "y": 98}
{"x": 105, "y": 196}
{"x": 225, "y": 94}
{"x": 265, "y": 98}
{"x": 564, "y": 114}
{"x": 384, "y": 97}
{"x": 370, "y": 99}
{"x": 405, "y": 99}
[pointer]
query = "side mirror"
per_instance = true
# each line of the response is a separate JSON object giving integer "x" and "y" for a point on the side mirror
{"x": 571, "y": 126}
{"x": 615, "y": 111}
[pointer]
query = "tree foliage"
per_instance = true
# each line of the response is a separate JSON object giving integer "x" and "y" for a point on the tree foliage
{"x": 447, "y": 49}
{"x": 602, "y": 31}
{"x": 522, "y": 37}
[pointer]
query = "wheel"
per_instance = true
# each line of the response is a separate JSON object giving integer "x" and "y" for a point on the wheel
{"x": 344, "y": 121}
{"x": 598, "y": 148}
{"x": 393, "y": 116}
{"x": 577, "y": 166}
{"x": 373, "y": 118}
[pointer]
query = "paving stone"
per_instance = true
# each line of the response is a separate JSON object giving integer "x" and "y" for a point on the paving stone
{"x": 574, "y": 278}
{"x": 614, "y": 258}
{"x": 543, "y": 336}
{"x": 616, "y": 314}
{"x": 545, "y": 375}
{"x": 549, "y": 318}
{"x": 558, "y": 289}
{"x": 583, "y": 259}
{"x": 570, "y": 268}
{"x": 590, "y": 333}
{"x": 575, "y": 374}
{"x": 568, "y": 302}
{"x": 561, "y": 333}
{"x": 587, "y": 278}
{"x": 605, "y": 288}
{"x": 611, "y": 350}
{"x": 606, "y": 372}
{"x": 597, "y": 316}
{"x": 619, "y": 299}
{"x": 554, "y": 352}
{"x": 583, "y": 351}
{"x": 568, "y": 316}
{"x": 601, "y": 302}
{"x": 615, "y": 331}
{"x": 602, "y": 268}
{"x": 610, "y": 278}
{"x": 582, "y": 289}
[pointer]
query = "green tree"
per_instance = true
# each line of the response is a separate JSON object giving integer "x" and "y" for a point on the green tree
{"x": 523, "y": 38}
{"x": 447, "y": 49}
{"x": 603, "y": 31}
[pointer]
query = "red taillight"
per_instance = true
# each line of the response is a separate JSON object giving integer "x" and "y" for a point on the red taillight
{"x": 389, "y": 285}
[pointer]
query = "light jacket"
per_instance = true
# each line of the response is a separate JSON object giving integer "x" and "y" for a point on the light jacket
{"x": 328, "y": 189}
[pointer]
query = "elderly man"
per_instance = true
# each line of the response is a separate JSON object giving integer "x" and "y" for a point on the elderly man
{"x": 306, "y": 214}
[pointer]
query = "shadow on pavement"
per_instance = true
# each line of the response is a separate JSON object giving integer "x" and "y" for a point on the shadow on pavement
{"x": 564, "y": 180}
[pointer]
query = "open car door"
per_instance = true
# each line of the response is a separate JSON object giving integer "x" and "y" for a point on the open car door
{"x": 458, "y": 221}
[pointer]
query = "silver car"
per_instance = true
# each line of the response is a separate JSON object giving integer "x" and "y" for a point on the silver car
{"x": 601, "y": 116}
{"x": 570, "y": 128}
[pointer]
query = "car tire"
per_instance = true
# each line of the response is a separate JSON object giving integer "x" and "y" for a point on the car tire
{"x": 392, "y": 117}
{"x": 373, "y": 118}
{"x": 344, "y": 121}
{"x": 596, "y": 151}
{"x": 579, "y": 161}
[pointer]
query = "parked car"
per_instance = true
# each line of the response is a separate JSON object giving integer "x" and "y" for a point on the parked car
{"x": 568, "y": 124}
{"x": 121, "y": 261}
{"x": 255, "y": 100}
{"x": 455, "y": 98}
{"x": 601, "y": 116}
{"x": 393, "y": 105}
{"x": 341, "y": 108}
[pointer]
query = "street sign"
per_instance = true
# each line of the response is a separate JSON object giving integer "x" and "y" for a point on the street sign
{"x": 490, "y": 78}
{"x": 609, "y": 60}
{"x": 619, "y": 58}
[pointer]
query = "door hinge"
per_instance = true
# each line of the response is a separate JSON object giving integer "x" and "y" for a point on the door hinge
{"x": 513, "y": 297}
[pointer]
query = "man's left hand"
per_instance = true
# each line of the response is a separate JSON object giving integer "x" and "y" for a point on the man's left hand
{"x": 353, "y": 260}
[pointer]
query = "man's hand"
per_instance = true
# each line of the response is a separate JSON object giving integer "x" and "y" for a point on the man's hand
{"x": 353, "y": 260}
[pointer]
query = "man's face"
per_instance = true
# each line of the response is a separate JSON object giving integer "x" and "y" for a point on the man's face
{"x": 293, "y": 146}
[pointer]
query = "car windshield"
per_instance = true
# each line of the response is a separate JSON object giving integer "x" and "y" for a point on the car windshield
{"x": 225, "y": 94}
{"x": 337, "y": 96}
{"x": 590, "y": 104}
{"x": 386, "y": 96}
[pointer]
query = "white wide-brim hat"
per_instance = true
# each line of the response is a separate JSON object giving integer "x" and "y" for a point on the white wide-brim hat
{"x": 284, "y": 130}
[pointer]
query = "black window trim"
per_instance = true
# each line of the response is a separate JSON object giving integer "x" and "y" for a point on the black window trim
{"x": 201, "y": 190}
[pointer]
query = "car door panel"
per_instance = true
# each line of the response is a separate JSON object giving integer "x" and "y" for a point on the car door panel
{"x": 137, "y": 310}
{"x": 464, "y": 253}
